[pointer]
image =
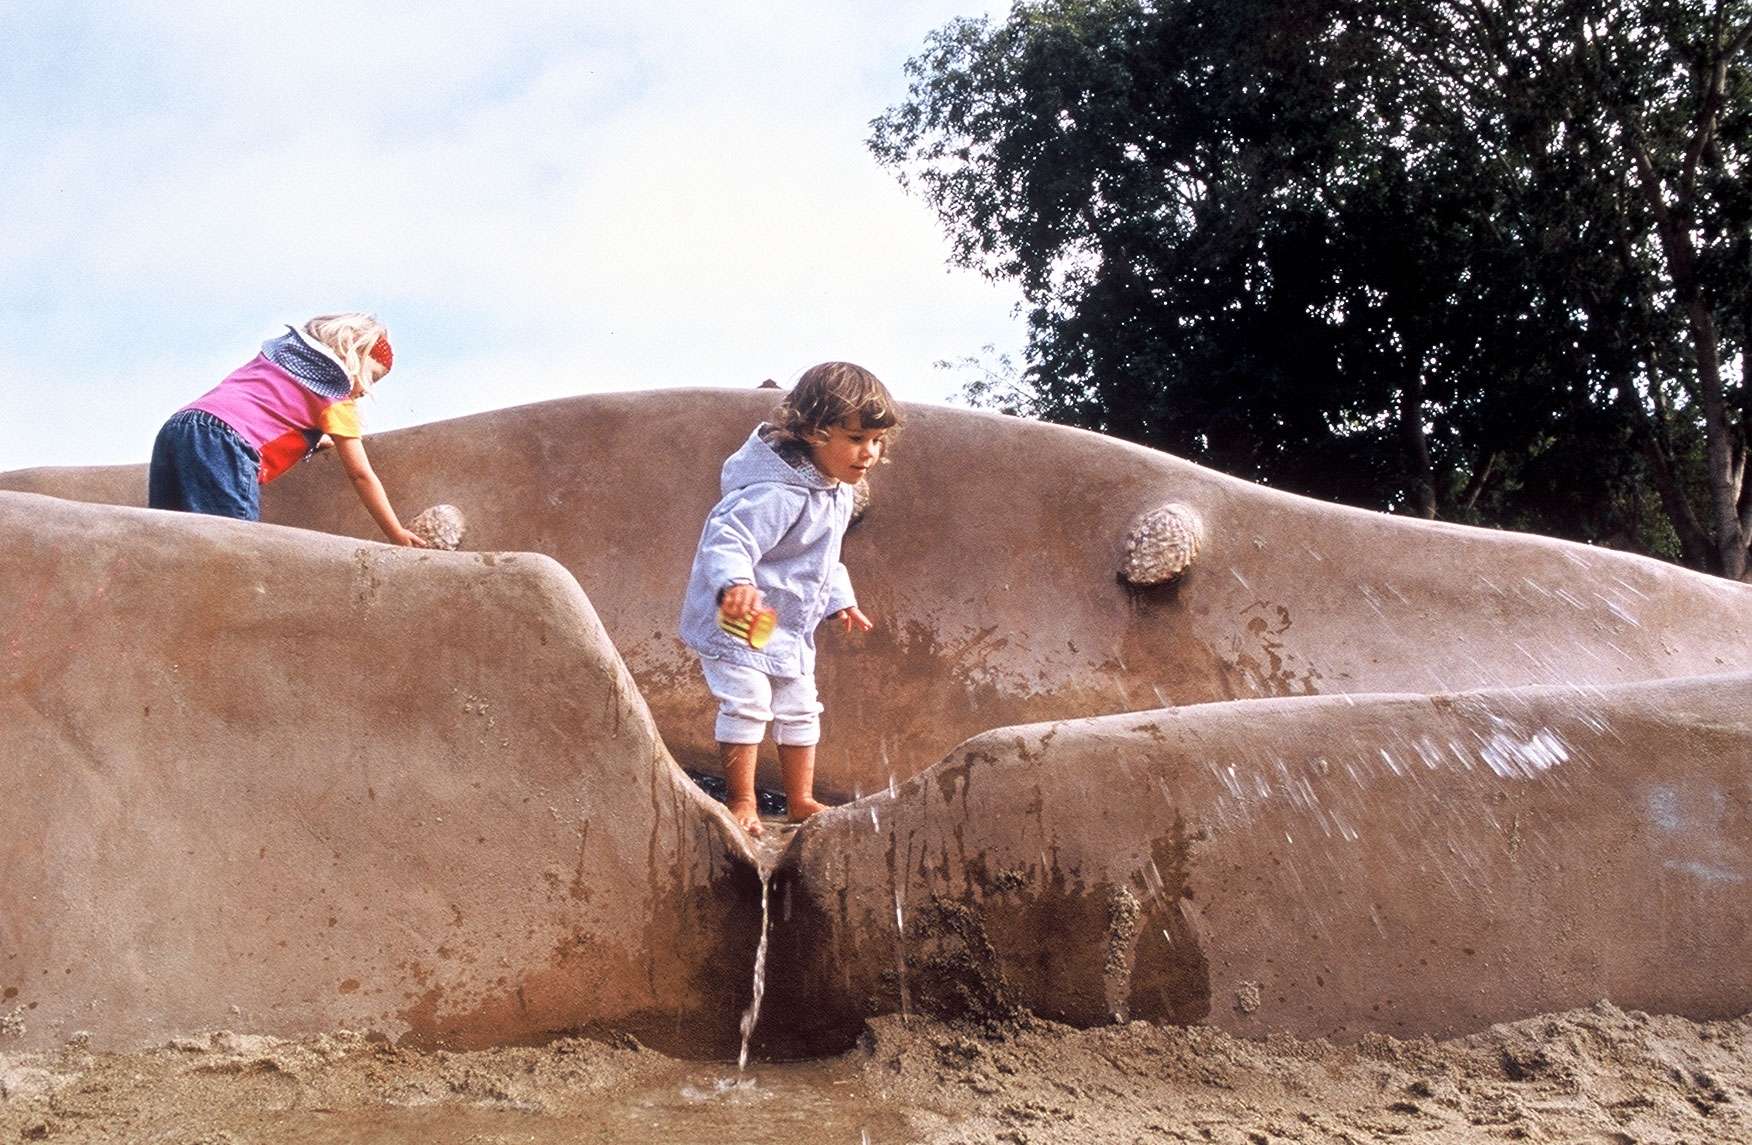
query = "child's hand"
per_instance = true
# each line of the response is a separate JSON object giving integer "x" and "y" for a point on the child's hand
{"x": 409, "y": 539}
{"x": 740, "y": 600}
{"x": 854, "y": 617}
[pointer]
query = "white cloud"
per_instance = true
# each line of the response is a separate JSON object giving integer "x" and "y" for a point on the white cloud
{"x": 552, "y": 197}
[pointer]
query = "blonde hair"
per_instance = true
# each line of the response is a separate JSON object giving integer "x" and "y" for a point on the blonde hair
{"x": 350, "y": 338}
{"x": 832, "y": 394}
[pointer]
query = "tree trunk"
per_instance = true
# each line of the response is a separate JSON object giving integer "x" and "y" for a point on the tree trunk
{"x": 1694, "y": 544}
{"x": 1745, "y": 443}
{"x": 1724, "y": 493}
{"x": 1655, "y": 438}
{"x": 1728, "y": 542}
{"x": 1422, "y": 481}
{"x": 1678, "y": 248}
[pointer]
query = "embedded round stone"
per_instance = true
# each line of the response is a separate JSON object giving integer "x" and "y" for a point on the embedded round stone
{"x": 440, "y": 526}
{"x": 1161, "y": 545}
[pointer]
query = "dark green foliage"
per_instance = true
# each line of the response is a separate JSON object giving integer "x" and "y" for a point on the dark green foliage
{"x": 1479, "y": 260}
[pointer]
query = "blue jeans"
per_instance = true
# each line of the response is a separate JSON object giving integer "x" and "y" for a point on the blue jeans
{"x": 201, "y": 465}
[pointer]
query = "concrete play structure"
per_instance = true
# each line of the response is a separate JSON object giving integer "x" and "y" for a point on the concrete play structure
{"x": 1340, "y": 772}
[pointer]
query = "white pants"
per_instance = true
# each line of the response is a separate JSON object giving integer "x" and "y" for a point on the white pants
{"x": 749, "y": 699}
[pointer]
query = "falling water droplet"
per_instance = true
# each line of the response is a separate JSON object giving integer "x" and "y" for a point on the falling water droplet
{"x": 1628, "y": 587}
{"x": 900, "y": 956}
{"x": 1619, "y": 611}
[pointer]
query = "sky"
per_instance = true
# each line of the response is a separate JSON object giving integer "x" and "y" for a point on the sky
{"x": 541, "y": 198}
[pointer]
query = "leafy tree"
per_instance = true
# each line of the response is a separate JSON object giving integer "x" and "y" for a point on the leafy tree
{"x": 1477, "y": 259}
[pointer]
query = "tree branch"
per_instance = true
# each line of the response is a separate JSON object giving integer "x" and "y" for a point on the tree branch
{"x": 1481, "y": 475}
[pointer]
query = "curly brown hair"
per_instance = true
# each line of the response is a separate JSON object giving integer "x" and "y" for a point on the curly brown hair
{"x": 830, "y": 394}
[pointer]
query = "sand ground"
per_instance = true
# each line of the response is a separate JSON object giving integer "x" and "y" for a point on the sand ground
{"x": 1592, "y": 1075}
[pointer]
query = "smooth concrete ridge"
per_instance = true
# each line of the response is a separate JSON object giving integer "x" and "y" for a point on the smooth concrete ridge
{"x": 260, "y": 778}
{"x": 1350, "y": 772}
{"x": 1328, "y": 866}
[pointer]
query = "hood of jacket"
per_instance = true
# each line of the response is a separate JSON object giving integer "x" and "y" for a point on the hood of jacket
{"x": 758, "y": 461}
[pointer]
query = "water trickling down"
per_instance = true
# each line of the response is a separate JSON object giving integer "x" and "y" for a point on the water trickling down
{"x": 752, "y": 1014}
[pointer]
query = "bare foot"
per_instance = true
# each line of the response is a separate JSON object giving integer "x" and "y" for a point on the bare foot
{"x": 746, "y": 812}
{"x": 801, "y": 809}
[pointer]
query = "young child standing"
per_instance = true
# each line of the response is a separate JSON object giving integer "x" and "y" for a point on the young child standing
{"x": 773, "y": 542}
{"x": 213, "y": 455}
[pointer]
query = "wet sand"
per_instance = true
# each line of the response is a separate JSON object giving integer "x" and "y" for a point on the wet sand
{"x": 1592, "y": 1075}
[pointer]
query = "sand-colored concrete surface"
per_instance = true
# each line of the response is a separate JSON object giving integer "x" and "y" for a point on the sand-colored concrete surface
{"x": 990, "y": 558}
{"x": 1326, "y": 866}
{"x": 1347, "y": 773}
{"x": 273, "y": 780}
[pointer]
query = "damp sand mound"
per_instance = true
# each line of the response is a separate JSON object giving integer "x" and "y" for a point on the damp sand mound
{"x": 1598, "y": 1074}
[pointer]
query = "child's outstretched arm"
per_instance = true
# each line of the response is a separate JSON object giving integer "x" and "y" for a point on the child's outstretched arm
{"x": 351, "y": 451}
{"x": 853, "y": 617}
{"x": 842, "y": 604}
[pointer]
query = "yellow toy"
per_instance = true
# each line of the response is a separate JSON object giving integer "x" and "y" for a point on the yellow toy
{"x": 754, "y": 630}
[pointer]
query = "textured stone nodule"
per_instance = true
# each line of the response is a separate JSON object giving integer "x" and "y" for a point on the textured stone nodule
{"x": 440, "y": 526}
{"x": 1161, "y": 544}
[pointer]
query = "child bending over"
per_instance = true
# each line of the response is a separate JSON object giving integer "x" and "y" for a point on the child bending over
{"x": 213, "y": 455}
{"x": 773, "y": 543}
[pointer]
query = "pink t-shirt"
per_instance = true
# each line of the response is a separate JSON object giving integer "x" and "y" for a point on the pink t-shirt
{"x": 274, "y": 413}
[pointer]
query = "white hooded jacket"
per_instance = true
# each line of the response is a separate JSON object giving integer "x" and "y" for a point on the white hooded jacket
{"x": 779, "y": 528}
